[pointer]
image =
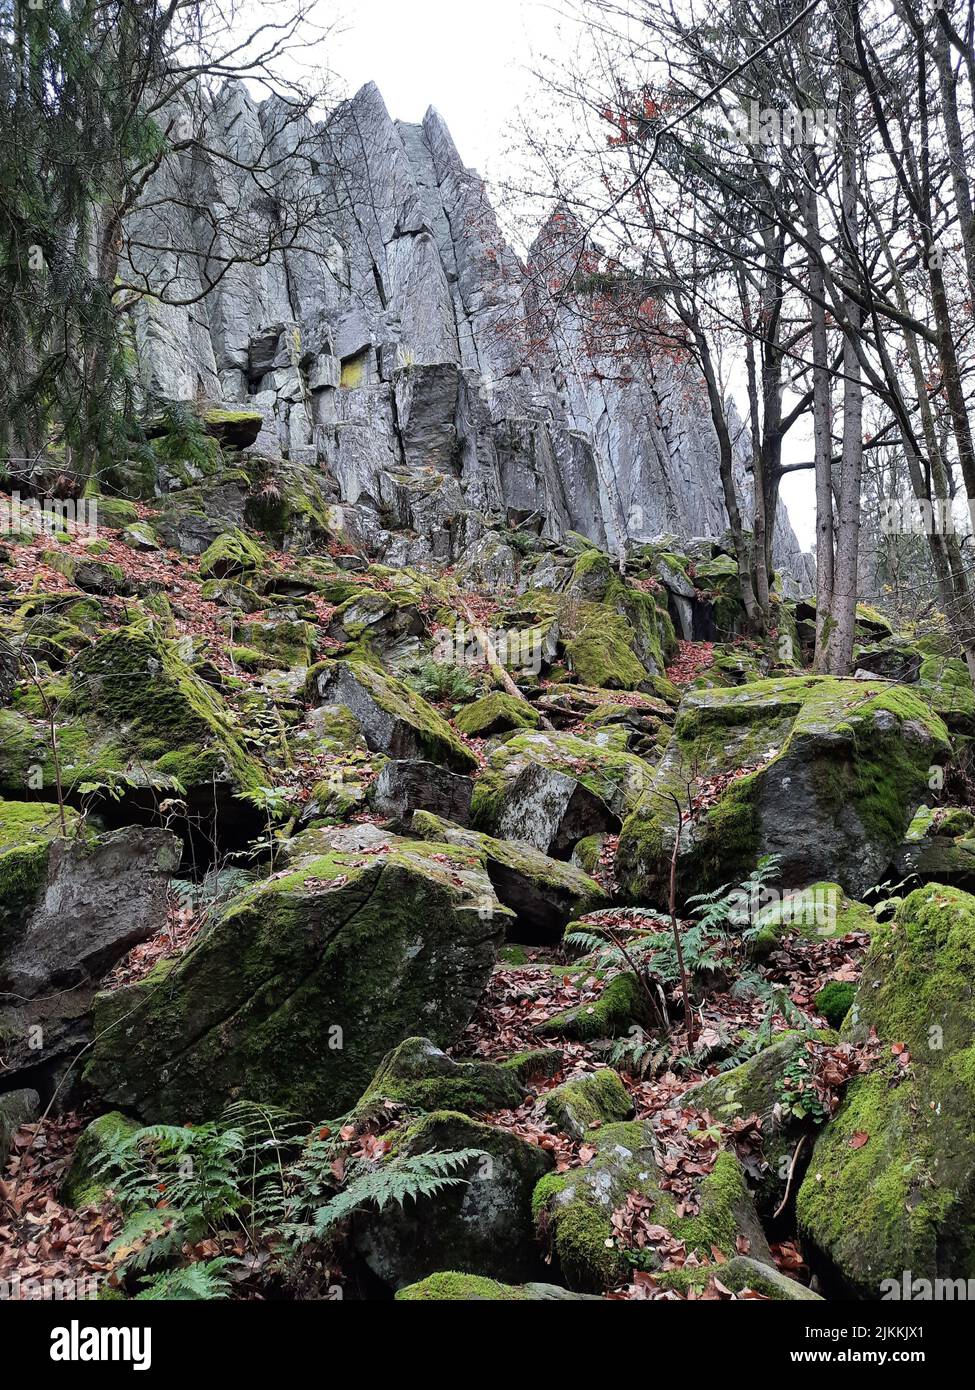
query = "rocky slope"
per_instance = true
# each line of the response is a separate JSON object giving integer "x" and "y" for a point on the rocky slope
{"x": 366, "y": 869}
{"x": 399, "y": 898}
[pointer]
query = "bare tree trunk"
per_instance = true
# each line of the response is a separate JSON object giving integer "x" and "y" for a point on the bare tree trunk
{"x": 835, "y": 630}
{"x": 822, "y": 420}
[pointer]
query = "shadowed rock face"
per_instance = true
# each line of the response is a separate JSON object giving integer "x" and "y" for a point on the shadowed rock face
{"x": 401, "y": 345}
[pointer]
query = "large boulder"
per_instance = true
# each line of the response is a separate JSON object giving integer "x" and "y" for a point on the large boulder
{"x": 403, "y": 787}
{"x": 574, "y": 1209}
{"x": 135, "y": 717}
{"x": 480, "y": 1226}
{"x": 543, "y": 893}
{"x": 552, "y": 789}
{"x": 394, "y": 719}
{"x": 825, "y": 773}
{"x": 93, "y": 899}
{"x": 891, "y": 1184}
{"x": 306, "y": 981}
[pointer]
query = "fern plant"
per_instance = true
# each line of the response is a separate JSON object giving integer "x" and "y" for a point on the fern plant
{"x": 396, "y": 1181}
{"x": 205, "y": 1279}
{"x": 731, "y": 909}
{"x": 442, "y": 680}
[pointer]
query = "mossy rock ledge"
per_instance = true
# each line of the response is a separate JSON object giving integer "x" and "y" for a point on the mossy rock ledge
{"x": 307, "y": 980}
{"x": 891, "y": 1183}
{"x": 574, "y": 1209}
{"x": 833, "y": 771}
{"x": 544, "y": 893}
{"x": 394, "y": 719}
{"x": 418, "y": 1074}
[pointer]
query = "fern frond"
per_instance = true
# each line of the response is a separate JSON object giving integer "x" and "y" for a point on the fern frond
{"x": 398, "y": 1180}
{"x": 204, "y": 1280}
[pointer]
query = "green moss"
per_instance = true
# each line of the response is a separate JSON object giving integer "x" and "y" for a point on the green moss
{"x": 903, "y": 1198}
{"x": 26, "y": 829}
{"x": 452, "y": 1287}
{"x": 285, "y": 642}
{"x": 417, "y": 1074}
{"x": 619, "y": 1006}
{"x": 115, "y": 512}
{"x": 721, "y": 1198}
{"x": 537, "y": 1064}
{"x": 495, "y": 713}
{"x": 834, "y": 1000}
{"x": 588, "y": 1101}
{"x": 233, "y": 553}
{"x": 84, "y": 1186}
{"x": 134, "y": 682}
{"x": 601, "y": 654}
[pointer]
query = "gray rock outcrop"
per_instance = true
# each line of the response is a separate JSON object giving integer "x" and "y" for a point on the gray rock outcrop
{"x": 398, "y": 346}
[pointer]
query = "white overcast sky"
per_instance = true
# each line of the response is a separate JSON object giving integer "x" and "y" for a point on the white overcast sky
{"x": 473, "y": 60}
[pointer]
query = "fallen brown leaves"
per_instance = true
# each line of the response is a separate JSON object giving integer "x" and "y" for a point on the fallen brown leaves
{"x": 40, "y": 1238}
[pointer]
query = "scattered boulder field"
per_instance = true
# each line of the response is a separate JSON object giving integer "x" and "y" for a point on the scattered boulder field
{"x": 290, "y": 838}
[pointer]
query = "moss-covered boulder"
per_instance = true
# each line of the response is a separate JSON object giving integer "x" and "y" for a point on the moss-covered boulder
{"x": 234, "y": 426}
{"x": 821, "y": 912}
{"x": 767, "y": 1085}
{"x": 394, "y": 719}
{"x": 543, "y": 893}
{"x": 92, "y": 575}
{"x": 230, "y": 555}
{"x": 574, "y": 1209}
{"x": 552, "y": 789}
{"x": 497, "y": 713}
{"x": 947, "y": 686}
{"x": 891, "y": 1184}
{"x": 585, "y": 1102}
{"x": 421, "y": 1076}
{"x": 617, "y": 638}
{"x": 745, "y": 1273}
{"x": 621, "y": 1005}
{"x": 829, "y": 774}
{"x": 284, "y": 639}
{"x": 135, "y": 718}
{"x": 451, "y": 1287}
{"x": 384, "y": 618}
{"x": 482, "y": 1225}
{"x": 86, "y": 1181}
{"x": 939, "y": 845}
{"x": 307, "y": 980}
{"x": 717, "y": 580}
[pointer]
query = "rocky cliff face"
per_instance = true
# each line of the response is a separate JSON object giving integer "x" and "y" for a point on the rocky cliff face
{"x": 395, "y": 346}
